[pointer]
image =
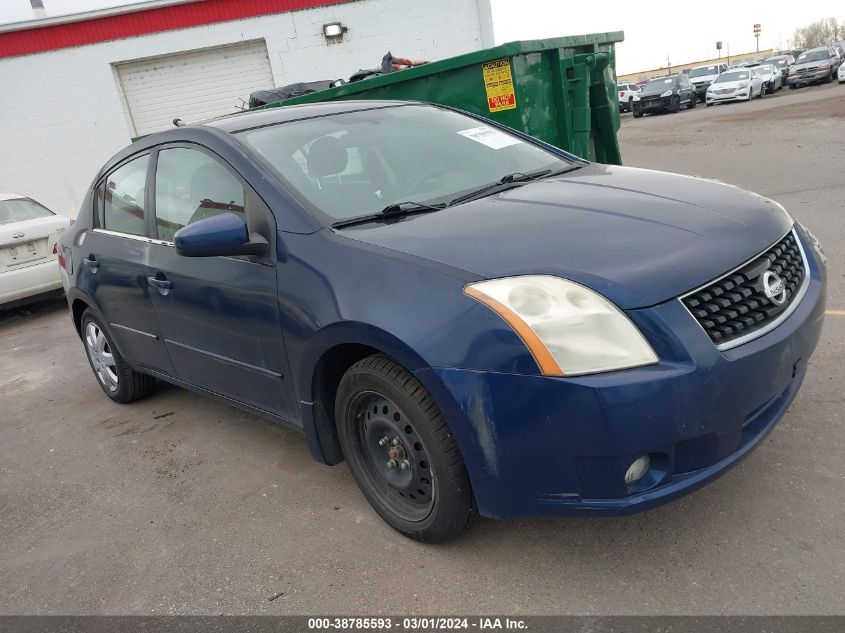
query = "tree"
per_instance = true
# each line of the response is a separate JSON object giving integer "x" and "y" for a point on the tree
{"x": 819, "y": 33}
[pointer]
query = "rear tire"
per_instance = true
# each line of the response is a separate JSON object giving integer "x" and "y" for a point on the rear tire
{"x": 401, "y": 451}
{"x": 116, "y": 378}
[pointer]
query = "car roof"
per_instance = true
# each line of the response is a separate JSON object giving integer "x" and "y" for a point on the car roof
{"x": 817, "y": 48}
{"x": 10, "y": 196}
{"x": 271, "y": 116}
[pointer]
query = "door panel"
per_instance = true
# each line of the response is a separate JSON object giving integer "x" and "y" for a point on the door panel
{"x": 221, "y": 326}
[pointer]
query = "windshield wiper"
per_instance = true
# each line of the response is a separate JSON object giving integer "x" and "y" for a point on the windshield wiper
{"x": 396, "y": 209}
{"x": 509, "y": 181}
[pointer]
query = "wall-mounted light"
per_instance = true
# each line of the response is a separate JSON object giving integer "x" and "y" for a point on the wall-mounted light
{"x": 334, "y": 31}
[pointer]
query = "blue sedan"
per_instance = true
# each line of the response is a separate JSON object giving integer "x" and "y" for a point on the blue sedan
{"x": 477, "y": 322}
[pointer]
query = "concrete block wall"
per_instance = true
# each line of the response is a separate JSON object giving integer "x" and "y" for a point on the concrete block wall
{"x": 62, "y": 113}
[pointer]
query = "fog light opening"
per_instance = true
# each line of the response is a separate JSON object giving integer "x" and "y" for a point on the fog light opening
{"x": 637, "y": 470}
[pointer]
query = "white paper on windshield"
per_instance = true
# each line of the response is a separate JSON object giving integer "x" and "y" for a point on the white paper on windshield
{"x": 489, "y": 136}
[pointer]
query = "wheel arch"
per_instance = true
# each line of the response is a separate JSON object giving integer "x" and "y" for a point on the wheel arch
{"x": 333, "y": 351}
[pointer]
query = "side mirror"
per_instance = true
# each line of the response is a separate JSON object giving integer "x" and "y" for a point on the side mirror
{"x": 224, "y": 234}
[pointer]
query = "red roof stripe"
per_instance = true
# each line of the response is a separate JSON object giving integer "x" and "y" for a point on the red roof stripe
{"x": 131, "y": 24}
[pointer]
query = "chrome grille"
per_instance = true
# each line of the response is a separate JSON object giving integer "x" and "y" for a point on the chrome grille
{"x": 735, "y": 308}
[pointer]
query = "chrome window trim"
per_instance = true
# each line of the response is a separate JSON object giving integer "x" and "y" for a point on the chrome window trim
{"x": 129, "y": 236}
{"x": 796, "y": 300}
{"x": 139, "y": 238}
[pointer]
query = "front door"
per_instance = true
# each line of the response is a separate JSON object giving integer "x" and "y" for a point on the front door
{"x": 219, "y": 315}
{"x": 114, "y": 272}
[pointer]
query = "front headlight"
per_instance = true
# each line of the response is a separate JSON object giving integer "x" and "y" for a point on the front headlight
{"x": 569, "y": 329}
{"x": 636, "y": 97}
{"x": 668, "y": 93}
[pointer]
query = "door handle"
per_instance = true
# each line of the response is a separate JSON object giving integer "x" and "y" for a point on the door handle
{"x": 164, "y": 286}
{"x": 91, "y": 263}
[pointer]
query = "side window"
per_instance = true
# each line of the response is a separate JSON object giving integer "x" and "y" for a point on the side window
{"x": 191, "y": 185}
{"x": 119, "y": 199}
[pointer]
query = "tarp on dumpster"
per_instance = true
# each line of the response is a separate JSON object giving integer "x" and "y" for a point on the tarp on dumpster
{"x": 263, "y": 97}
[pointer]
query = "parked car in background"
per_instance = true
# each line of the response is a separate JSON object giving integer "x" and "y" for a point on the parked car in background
{"x": 626, "y": 95}
{"x": 817, "y": 65}
{"x": 666, "y": 94}
{"x": 783, "y": 63}
{"x": 29, "y": 232}
{"x": 771, "y": 76}
{"x": 739, "y": 84}
{"x": 475, "y": 321}
{"x": 840, "y": 75}
{"x": 702, "y": 76}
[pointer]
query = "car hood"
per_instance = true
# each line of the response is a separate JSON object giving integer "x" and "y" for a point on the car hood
{"x": 639, "y": 237}
{"x": 814, "y": 64}
{"x": 731, "y": 85}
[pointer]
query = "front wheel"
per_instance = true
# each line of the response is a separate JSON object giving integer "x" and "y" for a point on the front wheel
{"x": 692, "y": 102}
{"x": 117, "y": 379}
{"x": 676, "y": 104}
{"x": 401, "y": 452}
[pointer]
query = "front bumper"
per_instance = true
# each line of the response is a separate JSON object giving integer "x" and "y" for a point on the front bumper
{"x": 543, "y": 446}
{"x": 808, "y": 78}
{"x": 659, "y": 104}
{"x": 743, "y": 94}
{"x": 29, "y": 281}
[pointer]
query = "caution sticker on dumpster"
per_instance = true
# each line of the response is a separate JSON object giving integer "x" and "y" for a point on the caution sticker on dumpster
{"x": 499, "y": 84}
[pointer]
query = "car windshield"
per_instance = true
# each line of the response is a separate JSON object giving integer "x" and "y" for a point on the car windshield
{"x": 357, "y": 163}
{"x": 703, "y": 71}
{"x": 20, "y": 210}
{"x": 765, "y": 70}
{"x": 737, "y": 75}
{"x": 780, "y": 62}
{"x": 813, "y": 56}
{"x": 658, "y": 86}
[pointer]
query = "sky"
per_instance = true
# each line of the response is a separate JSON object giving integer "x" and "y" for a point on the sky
{"x": 680, "y": 30}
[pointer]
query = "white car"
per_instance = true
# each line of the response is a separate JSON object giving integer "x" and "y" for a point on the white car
{"x": 739, "y": 84}
{"x": 626, "y": 95}
{"x": 840, "y": 74}
{"x": 772, "y": 77}
{"x": 28, "y": 253}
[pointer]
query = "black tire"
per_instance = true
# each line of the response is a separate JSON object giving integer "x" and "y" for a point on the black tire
{"x": 630, "y": 104}
{"x": 637, "y": 115}
{"x": 119, "y": 381}
{"x": 676, "y": 104}
{"x": 692, "y": 102}
{"x": 430, "y": 500}
{"x": 707, "y": 105}
{"x": 829, "y": 78}
{"x": 792, "y": 86}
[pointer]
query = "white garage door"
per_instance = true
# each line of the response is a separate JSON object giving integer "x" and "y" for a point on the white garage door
{"x": 193, "y": 86}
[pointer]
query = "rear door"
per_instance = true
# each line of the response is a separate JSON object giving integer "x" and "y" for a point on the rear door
{"x": 219, "y": 315}
{"x": 113, "y": 268}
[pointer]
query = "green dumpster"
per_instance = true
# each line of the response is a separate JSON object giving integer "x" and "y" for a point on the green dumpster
{"x": 560, "y": 90}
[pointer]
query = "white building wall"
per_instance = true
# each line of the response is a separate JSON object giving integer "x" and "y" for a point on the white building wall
{"x": 62, "y": 114}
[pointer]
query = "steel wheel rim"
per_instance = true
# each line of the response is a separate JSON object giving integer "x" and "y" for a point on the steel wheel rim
{"x": 408, "y": 492}
{"x": 101, "y": 356}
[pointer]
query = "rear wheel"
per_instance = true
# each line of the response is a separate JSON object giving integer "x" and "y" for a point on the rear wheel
{"x": 117, "y": 379}
{"x": 401, "y": 451}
